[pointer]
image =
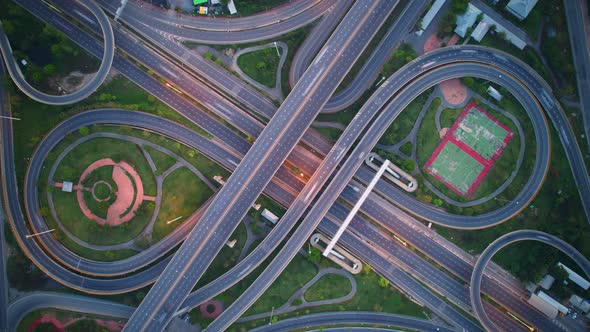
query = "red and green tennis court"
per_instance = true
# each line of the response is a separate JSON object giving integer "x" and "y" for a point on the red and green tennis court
{"x": 469, "y": 150}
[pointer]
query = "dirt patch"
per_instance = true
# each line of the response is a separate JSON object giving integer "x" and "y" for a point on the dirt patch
{"x": 454, "y": 91}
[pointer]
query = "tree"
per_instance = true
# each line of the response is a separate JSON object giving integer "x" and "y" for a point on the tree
{"x": 366, "y": 268}
{"x": 459, "y": 6}
{"x": 447, "y": 24}
{"x": 218, "y": 62}
{"x": 437, "y": 202}
{"x": 383, "y": 282}
{"x": 208, "y": 55}
{"x": 84, "y": 131}
{"x": 558, "y": 272}
{"x": 49, "y": 69}
{"x": 409, "y": 165}
{"x": 468, "y": 81}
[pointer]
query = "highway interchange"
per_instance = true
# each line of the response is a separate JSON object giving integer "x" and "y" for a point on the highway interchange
{"x": 445, "y": 58}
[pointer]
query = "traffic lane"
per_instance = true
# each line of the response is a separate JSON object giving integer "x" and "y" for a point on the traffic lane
{"x": 372, "y": 68}
{"x": 233, "y": 24}
{"x": 86, "y": 90}
{"x": 355, "y": 241}
{"x": 151, "y": 123}
{"x": 353, "y": 317}
{"x": 580, "y": 46}
{"x": 316, "y": 39}
{"x": 397, "y": 277}
{"x": 276, "y": 141}
{"x": 70, "y": 302}
{"x": 505, "y": 240}
{"x": 540, "y": 127}
{"x": 437, "y": 279}
{"x": 187, "y": 33}
{"x": 203, "y": 94}
{"x": 3, "y": 253}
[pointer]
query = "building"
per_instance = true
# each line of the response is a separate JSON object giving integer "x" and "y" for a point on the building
{"x": 231, "y": 6}
{"x": 521, "y": 8}
{"x": 543, "y": 306}
{"x": 580, "y": 303}
{"x": 200, "y": 2}
{"x": 67, "y": 186}
{"x": 576, "y": 278}
{"x": 547, "y": 305}
{"x": 546, "y": 282}
{"x": 270, "y": 216}
{"x": 203, "y": 10}
{"x": 466, "y": 20}
{"x": 427, "y": 19}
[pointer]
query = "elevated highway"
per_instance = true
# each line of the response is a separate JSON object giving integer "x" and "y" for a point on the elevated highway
{"x": 107, "y": 59}
{"x": 224, "y": 31}
{"x": 503, "y": 241}
{"x": 260, "y": 163}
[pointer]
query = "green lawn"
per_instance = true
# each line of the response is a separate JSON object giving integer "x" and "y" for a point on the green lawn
{"x": 226, "y": 258}
{"x": 332, "y": 134}
{"x": 557, "y": 210}
{"x": 428, "y": 138}
{"x": 38, "y": 119}
{"x": 66, "y": 206}
{"x": 161, "y": 160}
{"x": 503, "y": 166}
{"x": 76, "y": 161}
{"x": 406, "y": 148}
{"x": 298, "y": 272}
{"x": 403, "y": 124}
{"x": 369, "y": 297}
{"x": 201, "y": 162}
{"x": 261, "y": 65}
{"x": 183, "y": 194}
{"x": 330, "y": 286}
{"x": 50, "y": 54}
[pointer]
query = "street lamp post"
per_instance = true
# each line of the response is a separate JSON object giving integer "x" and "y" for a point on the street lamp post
{"x": 9, "y": 117}
{"x": 37, "y": 234}
{"x": 271, "y": 312}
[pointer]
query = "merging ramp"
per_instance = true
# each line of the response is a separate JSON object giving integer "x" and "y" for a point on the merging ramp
{"x": 107, "y": 60}
{"x": 260, "y": 163}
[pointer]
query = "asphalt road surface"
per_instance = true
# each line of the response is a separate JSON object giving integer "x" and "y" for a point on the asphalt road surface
{"x": 503, "y": 241}
{"x": 85, "y": 91}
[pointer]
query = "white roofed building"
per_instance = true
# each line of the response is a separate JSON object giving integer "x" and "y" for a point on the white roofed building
{"x": 466, "y": 20}
{"x": 576, "y": 278}
{"x": 434, "y": 9}
{"x": 270, "y": 216}
{"x": 543, "y": 306}
{"x": 231, "y": 6}
{"x": 521, "y": 8}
